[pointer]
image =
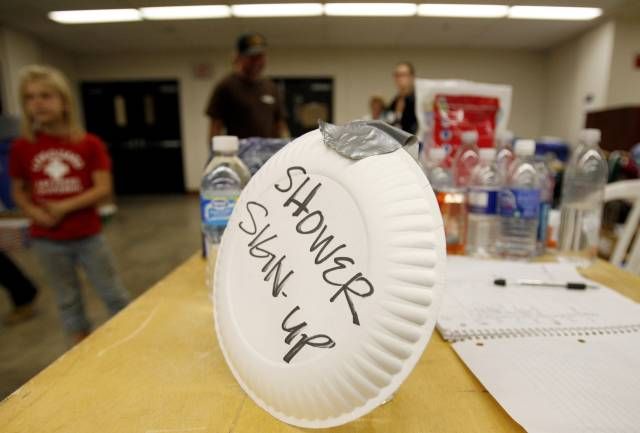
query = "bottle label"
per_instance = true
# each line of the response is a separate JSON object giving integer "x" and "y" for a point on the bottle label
{"x": 520, "y": 203}
{"x": 483, "y": 201}
{"x": 455, "y": 219}
{"x": 543, "y": 222}
{"x": 215, "y": 212}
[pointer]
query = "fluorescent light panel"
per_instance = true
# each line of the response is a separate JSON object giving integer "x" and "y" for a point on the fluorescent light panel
{"x": 331, "y": 9}
{"x": 370, "y": 9}
{"x": 277, "y": 10}
{"x": 462, "y": 10}
{"x": 554, "y": 13}
{"x": 185, "y": 12}
{"x": 95, "y": 16}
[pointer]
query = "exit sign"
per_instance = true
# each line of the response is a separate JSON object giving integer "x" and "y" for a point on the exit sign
{"x": 637, "y": 61}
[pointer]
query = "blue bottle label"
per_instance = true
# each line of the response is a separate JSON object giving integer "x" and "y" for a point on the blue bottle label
{"x": 543, "y": 222}
{"x": 215, "y": 212}
{"x": 483, "y": 201}
{"x": 520, "y": 203}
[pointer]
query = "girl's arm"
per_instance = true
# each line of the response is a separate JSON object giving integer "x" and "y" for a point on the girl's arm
{"x": 23, "y": 199}
{"x": 101, "y": 189}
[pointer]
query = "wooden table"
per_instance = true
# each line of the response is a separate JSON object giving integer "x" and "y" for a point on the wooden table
{"x": 157, "y": 368}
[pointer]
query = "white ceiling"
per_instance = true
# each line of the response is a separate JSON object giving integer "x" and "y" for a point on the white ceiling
{"x": 31, "y": 16}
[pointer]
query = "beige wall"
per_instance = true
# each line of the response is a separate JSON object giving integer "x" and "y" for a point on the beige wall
{"x": 360, "y": 73}
{"x": 624, "y": 86}
{"x": 357, "y": 73}
{"x": 18, "y": 50}
{"x": 576, "y": 70}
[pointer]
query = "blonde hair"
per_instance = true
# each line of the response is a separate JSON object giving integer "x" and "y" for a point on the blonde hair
{"x": 375, "y": 99}
{"x": 56, "y": 80}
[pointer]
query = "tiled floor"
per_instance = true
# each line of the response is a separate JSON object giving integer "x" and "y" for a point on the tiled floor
{"x": 149, "y": 237}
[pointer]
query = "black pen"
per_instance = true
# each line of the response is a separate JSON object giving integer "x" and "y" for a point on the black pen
{"x": 539, "y": 283}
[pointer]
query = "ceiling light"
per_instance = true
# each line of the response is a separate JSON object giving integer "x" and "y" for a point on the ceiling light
{"x": 95, "y": 16}
{"x": 277, "y": 10}
{"x": 554, "y": 13}
{"x": 185, "y": 12}
{"x": 462, "y": 10}
{"x": 370, "y": 9}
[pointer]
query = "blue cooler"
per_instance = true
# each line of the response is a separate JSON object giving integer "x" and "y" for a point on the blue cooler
{"x": 9, "y": 130}
{"x": 556, "y": 146}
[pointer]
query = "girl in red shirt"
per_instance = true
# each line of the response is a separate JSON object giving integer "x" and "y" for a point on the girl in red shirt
{"x": 59, "y": 174}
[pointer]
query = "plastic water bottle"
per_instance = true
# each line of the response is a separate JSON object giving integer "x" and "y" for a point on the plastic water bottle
{"x": 439, "y": 175}
{"x": 504, "y": 152}
{"x": 547, "y": 184}
{"x": 520, "y": 204}
{"x": 483, "y": 223}
{"x": 582, "y": 198}
{"x": 451, "y": 200}
{"x": 466, "y": 158}
{"x": 223, "y": 180}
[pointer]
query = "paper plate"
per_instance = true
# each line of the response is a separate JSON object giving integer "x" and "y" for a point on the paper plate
{"x": 328, "y": 281}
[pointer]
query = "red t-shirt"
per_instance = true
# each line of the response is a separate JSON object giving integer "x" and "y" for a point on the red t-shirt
{"x": 55, "y": 168}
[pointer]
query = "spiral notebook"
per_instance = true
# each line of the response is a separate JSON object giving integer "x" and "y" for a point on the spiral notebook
{"x": 562, "y": 384}
{"x": 556, "y": 360}
{"x": 474, "y": 307}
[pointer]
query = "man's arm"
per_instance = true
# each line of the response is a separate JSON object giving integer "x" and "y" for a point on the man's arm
{"x": 216, "y": 127}
{"x": 216, "y": 109}
{"x": 283, "y": 129}
{"x": 23, "y": 199}
{"x": 100, "y": 190}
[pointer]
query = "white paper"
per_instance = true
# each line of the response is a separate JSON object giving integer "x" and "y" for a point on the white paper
{"x": 474, "y": 306}
{"x": 562, "y": 384}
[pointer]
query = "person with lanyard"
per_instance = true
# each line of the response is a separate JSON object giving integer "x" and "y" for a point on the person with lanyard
{"x": 402, "y": 110}
{"x": 245, "y": 103}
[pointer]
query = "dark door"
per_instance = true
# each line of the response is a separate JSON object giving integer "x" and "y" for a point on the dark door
{"x": 306, "y": 101}
{"x": 140, "y": 122}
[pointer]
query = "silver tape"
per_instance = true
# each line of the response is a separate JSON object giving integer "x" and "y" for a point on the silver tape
{"x": 363, "y": 138}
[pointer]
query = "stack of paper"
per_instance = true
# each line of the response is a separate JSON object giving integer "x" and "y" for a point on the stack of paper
{"x": 556, "y": 360}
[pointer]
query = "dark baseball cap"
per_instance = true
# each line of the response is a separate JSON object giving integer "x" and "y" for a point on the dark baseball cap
{"x": 251, "y": 44}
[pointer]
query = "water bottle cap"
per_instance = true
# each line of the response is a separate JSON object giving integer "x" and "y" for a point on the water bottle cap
{"x": 437, "y": 153}
{"x": 225, "y": 143}
{"x": 525, "y": 147}
{"x": 469, "y": 137}
{"x": 487, "y": 154}
{"x": 590, "y": 136}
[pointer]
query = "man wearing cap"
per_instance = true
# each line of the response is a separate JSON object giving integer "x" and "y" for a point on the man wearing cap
{"x": 244, "y": 103}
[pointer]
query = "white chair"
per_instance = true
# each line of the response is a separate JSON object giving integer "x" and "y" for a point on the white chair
{"x": 628, "y": 191}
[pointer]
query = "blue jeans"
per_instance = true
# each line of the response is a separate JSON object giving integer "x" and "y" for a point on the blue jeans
{"x": 61, "y": 260}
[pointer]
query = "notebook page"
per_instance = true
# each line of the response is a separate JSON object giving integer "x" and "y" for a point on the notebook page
{"x": 474, "y": 306}
{"x": 562, "y": 384}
